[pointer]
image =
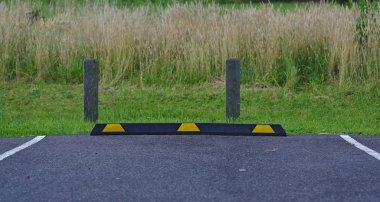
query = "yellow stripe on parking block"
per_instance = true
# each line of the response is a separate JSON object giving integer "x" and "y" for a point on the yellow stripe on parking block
{"x": 263, "y": 129}
{"x": 188, "y": 127}
{"x": 113, "y": 128}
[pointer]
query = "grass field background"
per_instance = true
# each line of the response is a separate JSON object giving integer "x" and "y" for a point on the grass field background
{"x": 187, "y": 44}
{"x": 305, "y": 66}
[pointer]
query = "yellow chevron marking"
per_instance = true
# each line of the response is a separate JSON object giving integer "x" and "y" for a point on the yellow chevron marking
{"x": 188, "y": 127}
{"x": 263, "y": 129}
{"x": 115, "y": 128}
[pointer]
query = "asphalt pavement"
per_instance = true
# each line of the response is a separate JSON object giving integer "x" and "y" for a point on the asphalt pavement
{"x": 190, "y": 168}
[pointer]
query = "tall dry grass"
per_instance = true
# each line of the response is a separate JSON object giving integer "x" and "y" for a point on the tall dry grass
{"x": 187, "y": 44}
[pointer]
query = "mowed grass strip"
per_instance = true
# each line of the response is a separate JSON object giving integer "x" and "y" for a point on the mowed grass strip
{"x": 41, "y": 109}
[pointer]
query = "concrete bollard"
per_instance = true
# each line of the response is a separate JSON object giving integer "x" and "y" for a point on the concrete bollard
{"x": 90, "y": 89}
{"x": 232, "y": 88}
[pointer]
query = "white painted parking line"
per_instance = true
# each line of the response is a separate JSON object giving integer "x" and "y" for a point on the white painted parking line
{"x": 21, "y": 147}
{"x": 361, "y": 147}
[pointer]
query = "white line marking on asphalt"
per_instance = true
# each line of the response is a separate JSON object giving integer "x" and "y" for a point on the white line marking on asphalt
{"x": 21, "y": 147}
{"x": 361, "y": 147}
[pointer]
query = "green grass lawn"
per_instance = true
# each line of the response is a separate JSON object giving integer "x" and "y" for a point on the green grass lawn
{"x": 40, "y": 109}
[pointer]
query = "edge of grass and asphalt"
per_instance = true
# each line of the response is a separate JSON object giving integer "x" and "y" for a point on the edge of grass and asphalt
{"x": 42, "y": 109}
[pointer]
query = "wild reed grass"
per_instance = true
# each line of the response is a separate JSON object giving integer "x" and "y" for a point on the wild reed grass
{"x": 187, "y": 43}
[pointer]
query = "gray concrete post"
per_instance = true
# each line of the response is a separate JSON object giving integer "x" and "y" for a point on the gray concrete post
{"x": 232, "y": 88}
{"x": 90, "y": 89}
